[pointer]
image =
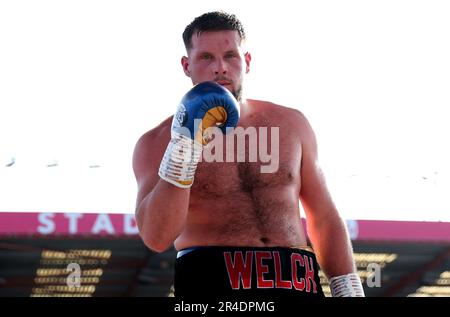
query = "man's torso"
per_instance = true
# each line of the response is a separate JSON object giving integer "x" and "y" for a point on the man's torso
{"x": 234, "y": 203}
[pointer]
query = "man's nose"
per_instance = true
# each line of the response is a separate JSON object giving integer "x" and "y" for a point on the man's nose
{"x": 220, "y": 67}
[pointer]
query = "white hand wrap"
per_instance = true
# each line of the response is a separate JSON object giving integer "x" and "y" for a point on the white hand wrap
{"x": 180, "y": 160}
{"x": 348, "y": 285}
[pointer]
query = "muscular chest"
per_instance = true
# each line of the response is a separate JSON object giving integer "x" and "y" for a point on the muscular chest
{"x": 260, "y": 153}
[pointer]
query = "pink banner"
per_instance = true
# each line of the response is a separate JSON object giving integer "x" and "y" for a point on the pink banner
{"x": 403, "y": 230}
{"x": 67, "y": 224}
{"x": 84, "y": 224}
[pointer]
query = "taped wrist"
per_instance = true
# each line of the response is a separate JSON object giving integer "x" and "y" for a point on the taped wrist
{"x": 348, "y": 285}
{"x": 180, "y": 160}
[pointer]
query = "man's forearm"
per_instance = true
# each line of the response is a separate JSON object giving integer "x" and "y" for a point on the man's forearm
{"x": 161, "y": 215}
{"x": 334, "y": 252}
{"x": 332, "y": 246}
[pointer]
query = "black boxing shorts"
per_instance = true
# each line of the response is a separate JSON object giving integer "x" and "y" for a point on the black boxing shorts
{"x": 241, "y": 271}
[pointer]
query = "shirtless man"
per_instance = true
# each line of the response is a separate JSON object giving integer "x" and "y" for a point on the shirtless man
{"x": 237, "y": 230}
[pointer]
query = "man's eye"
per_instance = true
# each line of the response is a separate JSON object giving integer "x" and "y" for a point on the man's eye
{"x": 206, "y": 56}
{"x": 230, "y": 55}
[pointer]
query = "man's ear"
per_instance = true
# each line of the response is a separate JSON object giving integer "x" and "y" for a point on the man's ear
{"x": 248, "y": 59}
{"x": 185, "y": 64}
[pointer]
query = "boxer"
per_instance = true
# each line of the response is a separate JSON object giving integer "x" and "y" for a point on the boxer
{"x": 238, "y": 230}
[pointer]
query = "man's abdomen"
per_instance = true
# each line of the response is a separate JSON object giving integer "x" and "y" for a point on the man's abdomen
{"x": 271, "y": 218}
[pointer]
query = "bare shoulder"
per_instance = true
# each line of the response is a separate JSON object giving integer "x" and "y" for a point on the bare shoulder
{"x": 284, "y": 113}
{"x": 150, "y": 147}
{"x": 155, "y": 134}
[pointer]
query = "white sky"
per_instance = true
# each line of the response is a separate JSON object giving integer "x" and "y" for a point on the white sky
{"x": 80, "y": 81}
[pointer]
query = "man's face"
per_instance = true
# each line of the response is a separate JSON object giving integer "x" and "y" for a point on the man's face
{"x": 217, "y": 56}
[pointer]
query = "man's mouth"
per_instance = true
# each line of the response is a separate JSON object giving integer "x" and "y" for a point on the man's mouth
{"x": 223, "y": 83}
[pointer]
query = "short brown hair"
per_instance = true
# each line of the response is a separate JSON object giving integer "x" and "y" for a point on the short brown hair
{"x": 212, "y": 21}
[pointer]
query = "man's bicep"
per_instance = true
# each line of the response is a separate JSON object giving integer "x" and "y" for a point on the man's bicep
{"x": 146, "y": 159}
{"x": 314, "y": 193}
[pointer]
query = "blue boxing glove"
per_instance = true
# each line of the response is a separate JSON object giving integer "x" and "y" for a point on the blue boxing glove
{"x": 206, "y": 105}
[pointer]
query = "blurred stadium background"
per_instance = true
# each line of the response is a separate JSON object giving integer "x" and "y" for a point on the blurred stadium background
{"x": 36, "y": 249}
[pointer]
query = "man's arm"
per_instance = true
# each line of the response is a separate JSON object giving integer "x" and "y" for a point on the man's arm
{"x": 326, "y": 229}
{"x": 161, "y": 208}
{"x": 166, "y": 158}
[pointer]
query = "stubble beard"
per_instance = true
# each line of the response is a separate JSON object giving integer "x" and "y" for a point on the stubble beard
{"x": 238, "y": 93}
